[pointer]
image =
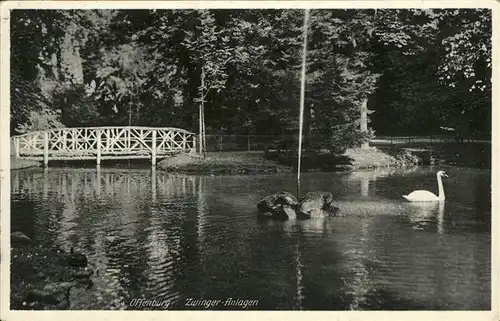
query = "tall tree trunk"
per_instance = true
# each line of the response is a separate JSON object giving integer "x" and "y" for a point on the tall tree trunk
{"x": 203, "y": 131}
{"x": 137, "y": 114}
{"x": 202, "y": 112}
{"x": 71, "y": 62}
{"x": 364, "y": 121}
{"x": 200, "y": 129}
{"x": 129, "y": 115}
{"x": 53, "y": 63}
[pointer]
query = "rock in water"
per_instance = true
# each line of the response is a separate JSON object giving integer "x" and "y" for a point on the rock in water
{"x": 316, "y": 205}
{"x": 54, "y": 294}
{"x": 76, "y": 259}
{"x": 278, "y": 206}
{"x": 84, "y": 273}
{"x": 19, "y": 238}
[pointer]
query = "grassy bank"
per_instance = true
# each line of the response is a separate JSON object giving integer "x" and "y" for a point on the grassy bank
{"x": 374, "y": 157}
{"x": 261, "y": 162}
{"x": 223, "y": 162}
{"x": 352, "y": 159}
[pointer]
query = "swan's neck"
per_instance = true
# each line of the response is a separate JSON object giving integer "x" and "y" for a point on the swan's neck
{"x": 440, "y": 188}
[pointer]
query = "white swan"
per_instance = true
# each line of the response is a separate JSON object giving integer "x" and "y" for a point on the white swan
{"x": 426, "y": 196}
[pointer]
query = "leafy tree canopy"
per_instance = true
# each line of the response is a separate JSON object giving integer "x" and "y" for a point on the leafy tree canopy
{"x": 419, "y": 70}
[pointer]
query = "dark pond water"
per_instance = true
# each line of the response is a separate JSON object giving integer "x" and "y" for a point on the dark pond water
{"x": 170, "y": 237}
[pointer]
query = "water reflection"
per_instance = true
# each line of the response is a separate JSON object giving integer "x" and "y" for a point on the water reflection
{"x": 299, "y": 297}
{"x": 365, "y": 177}
{"x": 124, "y": 224}
{"x": 165, "y": 236}
{"x": 360, "y": 284}
{"x": 423, "y": 214}
{"x": 88, "y": 182}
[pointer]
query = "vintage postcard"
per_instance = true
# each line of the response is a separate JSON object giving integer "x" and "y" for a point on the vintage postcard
{"x": 165, "y": 159}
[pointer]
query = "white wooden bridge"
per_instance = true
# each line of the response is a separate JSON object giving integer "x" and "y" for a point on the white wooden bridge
{"x": 86, "y": 143}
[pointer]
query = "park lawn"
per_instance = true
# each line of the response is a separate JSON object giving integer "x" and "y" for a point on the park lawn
{"x": 373, "y": 157}
{"x": 224, "y": 162}
{"x": 261, "y": 162}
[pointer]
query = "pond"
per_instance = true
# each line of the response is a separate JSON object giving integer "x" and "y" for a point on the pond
{"x": 175, "y": 238}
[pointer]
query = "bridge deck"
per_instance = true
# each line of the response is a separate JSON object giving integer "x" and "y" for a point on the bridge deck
{"x": 99, "y": 143}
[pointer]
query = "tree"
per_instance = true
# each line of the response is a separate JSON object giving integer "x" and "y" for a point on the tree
{"x": 421, "y": 92}
{"x": 117, "y": 83}
{"x": 341, "y": 77}
{"x": 209, "y": 49}
{"x": 30, "y": 108}
{"x": 466, "y": 41}
{"x": 33, "y": 40}
{"x": 239, "y": 70}
{"x": 465, "y": 67}
{"x": 46, "y": 52}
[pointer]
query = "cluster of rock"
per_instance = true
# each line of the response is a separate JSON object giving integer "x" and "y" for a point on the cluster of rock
{"x": 58, "y": 272}
{"x": 284, "y": 206}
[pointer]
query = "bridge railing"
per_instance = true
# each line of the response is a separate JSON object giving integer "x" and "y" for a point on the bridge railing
{"x": 103, "y": 143}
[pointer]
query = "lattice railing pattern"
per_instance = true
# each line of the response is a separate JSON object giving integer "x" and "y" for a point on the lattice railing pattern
{"x": 103, "y": 142}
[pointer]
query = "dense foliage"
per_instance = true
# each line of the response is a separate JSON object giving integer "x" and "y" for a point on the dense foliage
{"x": 447, "y": 85}
{"x": 419, "y": 69}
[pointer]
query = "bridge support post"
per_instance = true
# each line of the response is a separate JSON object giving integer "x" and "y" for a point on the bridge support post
{"x": 45, "y": 149}
{"x": 153, "y": 149}
{"x": 16, "y": 147}
{"x": 98, "y": 135}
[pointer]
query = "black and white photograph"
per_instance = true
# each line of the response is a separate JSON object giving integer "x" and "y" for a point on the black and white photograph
{"x": 272, "y": 158}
